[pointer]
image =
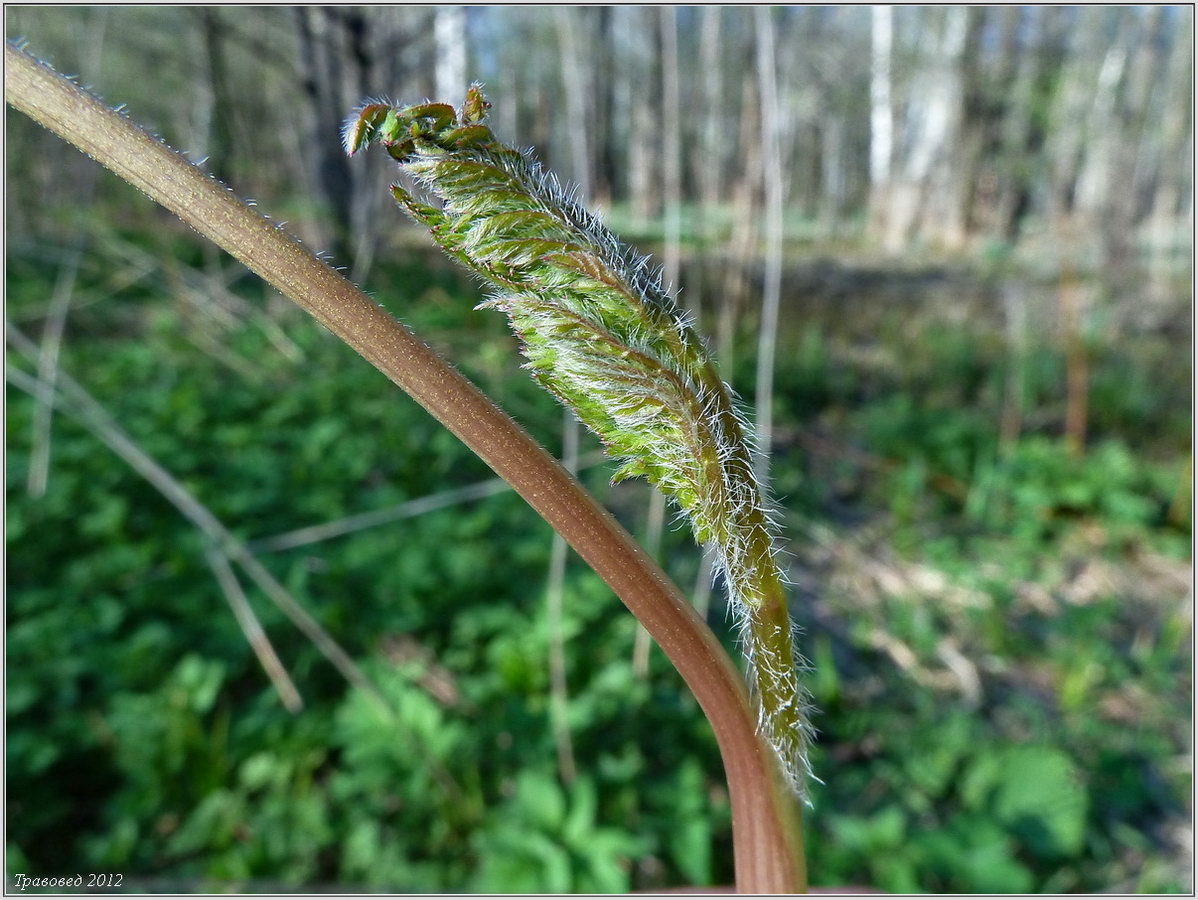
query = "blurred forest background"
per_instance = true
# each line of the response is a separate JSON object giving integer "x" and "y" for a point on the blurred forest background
{"x": 947, "y": 250}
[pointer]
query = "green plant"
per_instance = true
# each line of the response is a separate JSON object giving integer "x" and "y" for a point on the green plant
{"x": 601, "y": 333}
{"x": 768, "y": 851}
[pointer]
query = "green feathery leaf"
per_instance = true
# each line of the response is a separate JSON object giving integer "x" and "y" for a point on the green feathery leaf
{"x": 601, "y": 333}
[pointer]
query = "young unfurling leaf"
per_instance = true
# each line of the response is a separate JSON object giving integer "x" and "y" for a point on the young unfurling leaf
{"x": 600, "y": 332}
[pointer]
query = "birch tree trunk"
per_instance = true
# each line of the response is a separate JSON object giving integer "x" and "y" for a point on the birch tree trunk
{"x": 966, "y": 145}
{"x": 643, "y": 156}
{"x": 832, "y": 174}
{"x": 934, "y": 114}
{"x": 1133, "y": 158}
{"x": 881, "y": 118}
{"x": 671, "y": 150}
{"x": 772, "y": 291}
{"x": 1099, "y": 128}
{"x": 1167, "y": 228}
{"x": 745, "y": 228}
{"x": 575, "y": 82}
{"x": 710, "y": 155}
{"x": 449, "y": 34}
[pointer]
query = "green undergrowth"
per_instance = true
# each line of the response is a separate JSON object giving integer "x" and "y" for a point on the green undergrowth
{"x": 144, "y": 738}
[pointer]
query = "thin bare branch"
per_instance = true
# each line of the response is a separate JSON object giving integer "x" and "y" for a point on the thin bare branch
{"x": 409, "y": 509}
{"x": 209, "y": 291}
{"x": 253, "y": 631}
{"x": 47, "y": 371}
{"x": 92, "y": 414}
{"x": 62, "y": 297}
{"x": 701, "y": 596}
{"x": 655, "y": 524}
{"x": 559, "y": 697}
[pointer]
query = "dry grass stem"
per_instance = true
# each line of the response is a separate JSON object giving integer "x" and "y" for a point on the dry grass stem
{"x": 409, "y": 509}
{"x": 92, "y": 414}
{"x": 559, "y": 696}
{"x": 253, "y": 631}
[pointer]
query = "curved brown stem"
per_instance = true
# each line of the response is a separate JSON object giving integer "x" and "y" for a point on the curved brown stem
{"x": 765, "y": 817}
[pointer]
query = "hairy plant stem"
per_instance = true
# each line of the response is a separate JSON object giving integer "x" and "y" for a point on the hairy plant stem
{"x": 766, "y": 816}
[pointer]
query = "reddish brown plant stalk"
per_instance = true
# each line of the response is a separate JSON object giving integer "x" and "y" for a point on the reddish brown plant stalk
{"x": 766, "y": 818}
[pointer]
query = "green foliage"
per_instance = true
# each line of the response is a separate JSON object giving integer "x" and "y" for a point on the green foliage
{"x": 543, "y": 840}
{"x": 1036, "y": 793}
{"x": 143, "y": 737}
